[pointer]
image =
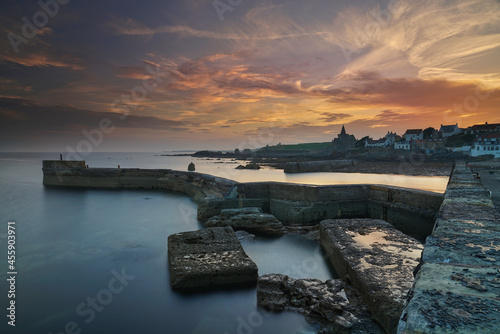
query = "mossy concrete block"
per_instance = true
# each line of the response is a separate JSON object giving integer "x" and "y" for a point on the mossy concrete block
{"x": 472, "y": 249}
{"x": 209, "y": 258}
{"x": 249, "y": 219}
{"x": 482, "y": 282}
{"x": 465, "y": 227}
{"x": 438, "y": 312}
{"x": 468, "y": 211}
{"x": 377, "y": 259}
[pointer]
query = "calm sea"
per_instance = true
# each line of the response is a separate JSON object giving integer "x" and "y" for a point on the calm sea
{"x": 95, "y": 261}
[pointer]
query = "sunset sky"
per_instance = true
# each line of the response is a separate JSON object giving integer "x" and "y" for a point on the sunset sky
{"x": 204, "y": 74}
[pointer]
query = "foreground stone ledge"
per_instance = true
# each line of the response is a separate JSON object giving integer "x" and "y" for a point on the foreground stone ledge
{"x": 438, "y": 312}
{"x": 457, "y": 289}
{"x": 473, "y": 249}
{"x": 209, "y": 258}
{"x": 468, "y": 211}
{"x": 377, "y": 259}
{"x": 481, "y": 282}
{"x": 465, "y": 227}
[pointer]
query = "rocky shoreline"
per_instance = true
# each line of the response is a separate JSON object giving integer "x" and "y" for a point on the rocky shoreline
{"x": 332, "y": 304}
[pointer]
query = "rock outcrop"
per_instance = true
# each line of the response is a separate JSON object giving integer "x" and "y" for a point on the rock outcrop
{"x": 252, "y": 220}
{"x": 321, "y": 302}
{"x": 377, "y": 260}
{"x": 208, "y": 258}
{"x": 249, "y": 166}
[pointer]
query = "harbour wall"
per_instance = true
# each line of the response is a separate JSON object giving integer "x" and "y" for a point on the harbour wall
{"x": 411, "y": 211}
{"x": 457, "y": 289}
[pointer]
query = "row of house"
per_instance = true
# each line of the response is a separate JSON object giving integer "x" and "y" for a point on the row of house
{"x": 486, "y": 142}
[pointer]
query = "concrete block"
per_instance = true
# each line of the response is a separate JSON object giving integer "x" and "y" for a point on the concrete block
{"x": 482, "y": 282}
{"x": 472, "y": 249}
{"x": 438, "y": 312}
{"x": 377, "y": 259}
{"x": 465, "y": 227}
{"x": 207, "y": 259}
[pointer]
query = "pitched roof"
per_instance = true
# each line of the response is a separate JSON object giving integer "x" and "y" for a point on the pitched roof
{"x": 485, "y": 126}
{"x": 448, "y": 128}
{"x": 413, "y": 131}
{"x": 488, "y": 136}
{"x": 378, "y": 141}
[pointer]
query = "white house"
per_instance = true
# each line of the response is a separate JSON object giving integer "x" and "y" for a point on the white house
{"x": 449, "y": 130}
{"x": 390, "y": 138}
{"x": 487, "y": 144}
{"x": 375, "y": 143}
{"x": 414, "y": 134}
{"x": 402, "y": 145}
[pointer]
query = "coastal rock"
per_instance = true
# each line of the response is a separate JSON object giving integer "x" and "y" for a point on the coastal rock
{"x": 244, "y": 236}
{"x": 377, "y": 260}
{"x": 208, "y": 258}
{"x": 249, "y": 166}
{"x": 321, "y": 302}
{"x": 252, "y": 220}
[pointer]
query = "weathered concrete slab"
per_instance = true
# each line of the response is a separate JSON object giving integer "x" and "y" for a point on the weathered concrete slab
{"x": 473, "y": 249}
{"x": 481, "y": 282}
{"x": 468, "y": 211}
{"x": 249, "y": 219}
{"x": 377, "y": 259}
{"x": 208, "y": 258}
{"x": 330, "y": 303}
{"x": 438, "y": 312}
{"x": 465, "y": 227}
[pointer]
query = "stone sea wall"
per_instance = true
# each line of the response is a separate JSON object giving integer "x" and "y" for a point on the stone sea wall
{"x": 411, "y": 211}
{"x": 198, "y": 186}
{"x": 316, "y": 166}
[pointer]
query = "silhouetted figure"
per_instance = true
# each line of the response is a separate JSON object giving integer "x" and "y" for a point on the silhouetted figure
{"x": 60, "y": 157}
{"x": 191, "y": 167}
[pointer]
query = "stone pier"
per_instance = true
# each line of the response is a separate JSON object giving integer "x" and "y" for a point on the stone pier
{"x": 409, "y": 210}
{"x": 457, "y": 289}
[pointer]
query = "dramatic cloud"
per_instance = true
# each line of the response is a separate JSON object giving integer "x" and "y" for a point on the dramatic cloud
{"x": 19, "y": 115}
{"x": 330, "y": 117}
{"x": 375, "y": 66}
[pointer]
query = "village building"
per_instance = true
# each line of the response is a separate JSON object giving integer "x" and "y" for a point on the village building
{"x": 390, "y": 139}
{"x": 449, "y": 130}
{"x": 375, "y": 143}
{"x": 488, "y": 144}
{"x": 418, "y": 144}
{"x": 414, "y": 134}
{"x": 402, "y": 145}
{"x": 344, "y": 141}
{"x": 479, "y": 129}
{"x": 434, "y": 145}
{"x": 387, "y": 141}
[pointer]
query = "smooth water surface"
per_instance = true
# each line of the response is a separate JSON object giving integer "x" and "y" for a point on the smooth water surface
{"x": 72, "y": 244}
